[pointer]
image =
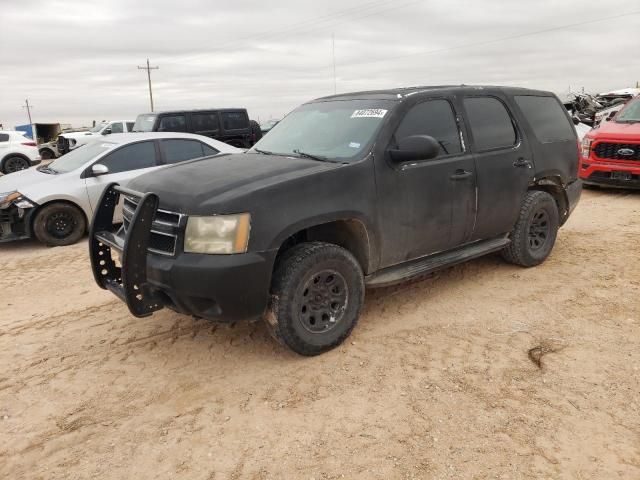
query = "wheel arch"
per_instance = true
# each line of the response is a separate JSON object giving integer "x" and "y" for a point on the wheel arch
{"x": 553, "y": 185}
{"x": 35, "y": 211}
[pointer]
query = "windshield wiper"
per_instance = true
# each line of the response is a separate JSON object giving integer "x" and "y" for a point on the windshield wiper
{"x": 310, "y": 156}
{"x": 263, "y": 152}
{"x": 48, "y": 170}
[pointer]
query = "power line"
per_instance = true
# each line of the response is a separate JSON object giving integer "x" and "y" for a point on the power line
{"x": 148, "y": 69}
{"x": 28, "y": 107}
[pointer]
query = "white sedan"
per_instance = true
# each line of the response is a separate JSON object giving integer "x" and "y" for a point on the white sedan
{"x": 55, "y": 203}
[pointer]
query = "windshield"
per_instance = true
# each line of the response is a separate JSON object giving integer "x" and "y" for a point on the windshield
{"x": 338, "y": 129}
{"x": 144, "y": 123}
{"x": 630, "y": 113}
{"x": 98, "y": 127}
{"x": 78, "y": 157}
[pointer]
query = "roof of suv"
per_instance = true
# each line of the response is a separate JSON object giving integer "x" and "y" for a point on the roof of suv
{"x": 195, "y": 110}
{"x": 402, "y": 92}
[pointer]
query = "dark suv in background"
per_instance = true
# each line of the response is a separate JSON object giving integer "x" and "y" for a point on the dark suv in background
{"x": 354, "y": 190}
{"x": 228, "y": 125}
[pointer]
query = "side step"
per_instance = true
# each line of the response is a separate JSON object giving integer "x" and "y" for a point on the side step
{"x": 425, "y": 265}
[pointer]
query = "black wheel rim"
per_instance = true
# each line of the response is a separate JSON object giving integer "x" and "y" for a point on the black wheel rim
{"x": 539, "y": 230}
{"x": 323, "y": 301}
{"x": 60, "y": 225}
{"x": 14, "y": 164}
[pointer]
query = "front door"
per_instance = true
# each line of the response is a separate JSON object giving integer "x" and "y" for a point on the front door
{"x": 426, "y": 206}
{"x": 503, "y": 163}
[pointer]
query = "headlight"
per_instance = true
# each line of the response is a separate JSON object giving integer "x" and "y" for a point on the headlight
{"x": 8, "y": 198}
{"x": 586, "y": 147}
{"x": 219, "y": 234}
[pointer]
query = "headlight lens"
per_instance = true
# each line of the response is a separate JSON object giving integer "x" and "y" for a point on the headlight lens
{"x": 586, "y": 147}
{"x": 7, "y": 198}
{"x": 219, "y": 234}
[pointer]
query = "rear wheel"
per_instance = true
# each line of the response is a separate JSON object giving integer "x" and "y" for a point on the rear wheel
{"x": 13, "y": 164}
{"x": 59, "y": 224}
{"x": 317, "y": 294}
{"x": 535, "y": 232}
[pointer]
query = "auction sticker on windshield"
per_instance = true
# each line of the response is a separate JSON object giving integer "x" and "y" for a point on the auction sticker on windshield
{"x": 369, "y": 113}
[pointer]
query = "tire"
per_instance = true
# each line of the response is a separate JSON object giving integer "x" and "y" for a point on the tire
{"x": 14, "y": 164}
{"x": 535, "y": 232}
{"x": 317, "y": 292}
{"x": 59, "y": 224}
{"x": 256, "y": 132}
{"x": 47, "y": 154}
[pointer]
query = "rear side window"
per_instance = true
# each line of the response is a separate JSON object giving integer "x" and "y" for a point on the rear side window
{"x": 235, "y": 120}
{"x": 176, "y": 151}
{"x": 436, "y": 119}
{"x": 490, "y": 123}
{"x": 131, "y": 157}
{"x": 546, "y": 117}
{"x": 4, "y": 137}
{"x": 209, "y": 150}
{"x": 172, "y": 123}
{"x": 130, "y": 126}
{"x": 204, "y": 122}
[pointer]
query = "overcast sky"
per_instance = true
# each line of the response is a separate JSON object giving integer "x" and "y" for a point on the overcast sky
{"x": 76, "y": 60}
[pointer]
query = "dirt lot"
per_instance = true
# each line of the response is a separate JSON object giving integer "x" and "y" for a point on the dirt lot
{"x": 436, "y": 381}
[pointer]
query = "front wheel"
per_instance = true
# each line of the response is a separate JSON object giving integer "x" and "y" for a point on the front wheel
{"x": 535, "y": 232}
{"x": 59, "y": 224}
{"x": 317, "y": 293}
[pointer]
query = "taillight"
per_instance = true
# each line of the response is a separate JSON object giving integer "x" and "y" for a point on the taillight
{"x": 29, "y": 144}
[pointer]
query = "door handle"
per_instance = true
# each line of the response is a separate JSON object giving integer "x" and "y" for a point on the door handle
{"x": 522, "y": 163}
{"x": 460, "y": 175}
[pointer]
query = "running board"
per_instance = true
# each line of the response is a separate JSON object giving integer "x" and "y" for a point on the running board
{"x": 425, "y": 265}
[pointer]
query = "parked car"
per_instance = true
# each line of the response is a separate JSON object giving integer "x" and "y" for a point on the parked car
{"x": 229, "y": 125}
{"x": 268, "y": 125}
{"x": 610, "y": 154}
{"x": 70, "y": 140}
{"x": 354, "y": 190}
{"x": 17, "y": 151}
{"x": 54, "y": 203}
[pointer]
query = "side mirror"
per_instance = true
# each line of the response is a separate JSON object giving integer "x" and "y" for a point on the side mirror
{"x": 106, "y": 131}
{"x": 414, "y": 148}
{"x": 98, "y": 169}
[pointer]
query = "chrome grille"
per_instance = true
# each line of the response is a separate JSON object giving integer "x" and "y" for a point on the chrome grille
{"x": 164, "y": 230}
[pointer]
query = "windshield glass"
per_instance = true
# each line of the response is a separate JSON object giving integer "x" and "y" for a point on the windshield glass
{"x": 337, "y": 129}
{"x": 98, "y": 127}
{"x": 630, "y": 113}
{"x": 144, "y": 123}
{"x": 78, "y": 157}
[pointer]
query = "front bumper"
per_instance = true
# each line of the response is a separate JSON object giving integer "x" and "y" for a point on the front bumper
{"x": 14, "y": 224}
{"x": 608, "y": 174}
{"x": 224, "y": 288}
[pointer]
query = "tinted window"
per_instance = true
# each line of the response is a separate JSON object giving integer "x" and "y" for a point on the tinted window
{"x": 173, "y": 123}
{"x": 131, "y": 157}
{"x": 546, "y": 117}
{"x": 130, "y": 126}
{"x": 490, "y": 123}
{"x": 4, "y": 137}
{"x": 180, "y": 150}
{"x": 116, "y": 127}
{"x": 204, "y": 122}
{"x": 434, "y": 118}
{"x": 209, "y": 150}
{"x": 234, "y": 120}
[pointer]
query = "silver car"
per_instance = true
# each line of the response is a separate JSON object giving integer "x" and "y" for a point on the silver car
{"x": 55, "y": 202}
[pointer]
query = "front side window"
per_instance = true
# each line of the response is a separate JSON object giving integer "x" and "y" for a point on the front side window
{"x": 131, "y": 157}
{"x": 235, "y": 120}
{"x": 130, "y": 126}
{"x": 116, "y": 127}
{"x": 173, "y": 123}
{"x": 204, "y": 122}
{"x": 547, "y": 118}
{"x": 436, "y": 119}
{"x": 490, "y": 123}
{"x": 334, "y": 130}
{"x": 176, "y": 151}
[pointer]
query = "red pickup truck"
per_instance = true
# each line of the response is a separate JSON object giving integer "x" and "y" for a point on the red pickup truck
{"x": 610, "y": 153}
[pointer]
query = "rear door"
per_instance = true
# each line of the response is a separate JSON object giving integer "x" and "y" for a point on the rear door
{"x": 236, "y": 128}
{"x": 503, "y": 164}
{"x": 205, "y": 123}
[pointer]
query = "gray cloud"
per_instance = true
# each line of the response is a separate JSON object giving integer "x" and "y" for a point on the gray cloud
{"x": 76, "y": 60}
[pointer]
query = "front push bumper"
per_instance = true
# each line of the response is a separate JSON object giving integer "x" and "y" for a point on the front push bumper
{"x": 224, "y": 288}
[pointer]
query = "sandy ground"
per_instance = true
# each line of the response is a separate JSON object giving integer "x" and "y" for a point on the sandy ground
{"x": 436, "y": 381}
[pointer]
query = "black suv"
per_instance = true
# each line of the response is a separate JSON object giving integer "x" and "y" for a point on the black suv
{"x": 350, "y": 191}
{"x": 228, "y": 125}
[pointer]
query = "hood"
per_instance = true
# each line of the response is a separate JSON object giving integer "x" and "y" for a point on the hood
{"x": 185, "y": 187}
{"x": 617, "y": 131}
{"x": 23, "y": 181}
{"x": 79, "y": 134}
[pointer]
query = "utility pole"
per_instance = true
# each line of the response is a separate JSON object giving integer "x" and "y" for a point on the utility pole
{"x": 333, "y": 50}
{"x": 28, "y": 107}
{"x": 148, "y": 69}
